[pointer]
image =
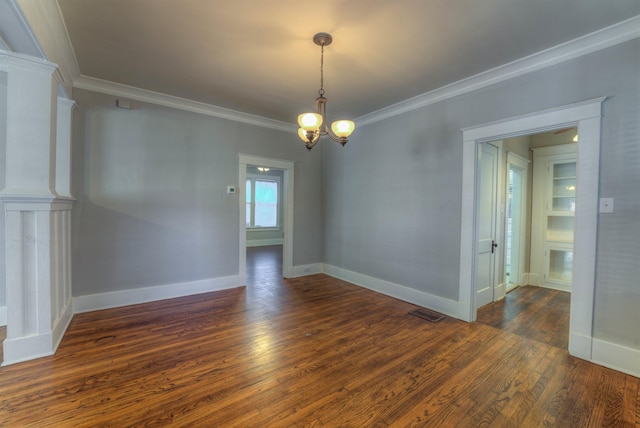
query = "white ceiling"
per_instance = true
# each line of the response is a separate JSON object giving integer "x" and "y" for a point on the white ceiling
{"x": 257, "y": 56}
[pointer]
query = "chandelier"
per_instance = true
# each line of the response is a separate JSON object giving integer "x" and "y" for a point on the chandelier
{"x": 314, "y": 125}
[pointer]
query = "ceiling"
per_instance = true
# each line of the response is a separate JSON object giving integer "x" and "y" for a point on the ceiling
{"x": 258, "y": 57}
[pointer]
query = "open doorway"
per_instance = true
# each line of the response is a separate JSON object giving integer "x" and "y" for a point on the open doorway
{"x": 534, "y": 273}
{"x": 275, "y": 178}
{"x": 587, "y": 117}
{"x": 263, "y": 190}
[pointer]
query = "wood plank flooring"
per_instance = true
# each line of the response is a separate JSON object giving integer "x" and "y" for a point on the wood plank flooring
{"x": 306, "y": 352}
{"x": 537, "y": 313}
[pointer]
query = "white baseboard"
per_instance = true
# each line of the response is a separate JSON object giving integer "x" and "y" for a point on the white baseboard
{"x": 61, "y": 325}
{"x": 114, "y": 299}
{"x": 26, "y": 348}
{"x": 264, "y": 242}
{"x": 499, "y": 291}
{"x": 531, "y": 279}
{"x": 580, "y": 346}
{"x": 3, "y": 316}
{"x": 407, "y": 294}
{"x": 304, "y": 270}
{"x": 617, "y": 357}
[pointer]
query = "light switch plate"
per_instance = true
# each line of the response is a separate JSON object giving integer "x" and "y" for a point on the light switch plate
{"x": 231, "y": 190}
{"x": 606, "y": 205}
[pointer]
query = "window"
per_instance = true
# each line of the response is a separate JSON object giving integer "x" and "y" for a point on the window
{"x": 262, "y": 202}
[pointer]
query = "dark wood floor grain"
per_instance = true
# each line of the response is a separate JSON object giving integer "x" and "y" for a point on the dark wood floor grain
{"x": 537, "y": 313}
{"x": 306, "y": 352}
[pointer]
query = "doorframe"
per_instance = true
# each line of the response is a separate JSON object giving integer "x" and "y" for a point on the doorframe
{"x": 523, "y": 164}
{"x": 586, "y": 116}
{"x": 287, "y": 223}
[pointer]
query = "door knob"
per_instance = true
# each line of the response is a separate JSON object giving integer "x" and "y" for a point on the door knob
{"x": 494, "y": 245}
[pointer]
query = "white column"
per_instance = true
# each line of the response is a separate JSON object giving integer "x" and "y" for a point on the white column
{"x": 37, "y": 220}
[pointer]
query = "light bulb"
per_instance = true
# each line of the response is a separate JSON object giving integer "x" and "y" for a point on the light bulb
{"x": 310, "y": 121}
{"x": 343, "y": 128}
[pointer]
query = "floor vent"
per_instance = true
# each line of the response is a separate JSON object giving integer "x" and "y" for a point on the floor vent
{"x": 428, "y": 315}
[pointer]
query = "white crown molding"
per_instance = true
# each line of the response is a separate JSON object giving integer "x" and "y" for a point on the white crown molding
{"x": 119, "y": 90}
{"x": 17, "y": 33}
{"x": 601, "y": 39}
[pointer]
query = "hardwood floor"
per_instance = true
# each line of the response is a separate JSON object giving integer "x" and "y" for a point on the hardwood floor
{"x": 306, "y": 352}
{"x": 264, "y": 265}
{"x": 537, "y": 313}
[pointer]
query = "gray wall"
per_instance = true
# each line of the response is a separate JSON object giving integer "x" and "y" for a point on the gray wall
{"x": 152, "y": 207}
{"x": 393, "y": 195}
{"x": 3, "y": 153}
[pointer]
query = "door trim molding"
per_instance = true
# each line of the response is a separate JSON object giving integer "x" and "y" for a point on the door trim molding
{"x": 586, "y": 116}
{"x": 287, "y": 222}
{"x": 523, "y": 164}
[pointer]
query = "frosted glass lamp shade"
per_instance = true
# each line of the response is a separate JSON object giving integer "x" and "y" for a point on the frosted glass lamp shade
{"x": 343, "y": 128}
{"x": 310, "y": 121}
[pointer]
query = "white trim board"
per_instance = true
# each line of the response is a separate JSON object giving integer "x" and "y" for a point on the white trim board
{"x": 27, "y": 348}
{"x": 157, "y": 98}
{"x": 304, "y": 270}
{"x": 617, "y": 357}
{"x": 404, "y": 293}
{"x": 287, "y": 220}
{"x": 264, "y": 242}
{"x": 134, "y": 296}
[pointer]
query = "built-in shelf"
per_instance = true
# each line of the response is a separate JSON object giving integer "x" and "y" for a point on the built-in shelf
{"x": 553, "y": 221}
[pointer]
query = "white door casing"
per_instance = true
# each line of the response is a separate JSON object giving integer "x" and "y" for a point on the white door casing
{"x": 520, "y": 166}
{"x": 586, "y": 116}
{"x": 287, "y": 223}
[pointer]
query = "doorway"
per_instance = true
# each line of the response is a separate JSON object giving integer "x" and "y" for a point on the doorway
{"x": 587, "y": 117}
{"x": 287, "y": 168}
{"x": 515, "y": 221}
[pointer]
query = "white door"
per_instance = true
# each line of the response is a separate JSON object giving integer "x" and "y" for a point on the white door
{"x": 487, "y": 182}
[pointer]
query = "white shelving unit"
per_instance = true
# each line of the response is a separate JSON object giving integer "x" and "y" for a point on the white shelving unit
{"x": 553, "y": 214}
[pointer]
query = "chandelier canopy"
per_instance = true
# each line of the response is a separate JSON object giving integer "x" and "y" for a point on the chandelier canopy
{"x": 314, "y": 125}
